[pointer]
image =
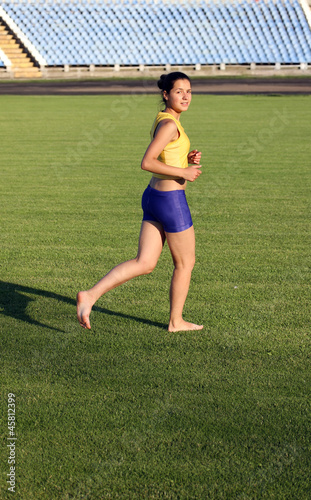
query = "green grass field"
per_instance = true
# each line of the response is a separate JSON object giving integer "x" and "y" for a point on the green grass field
{"x": 127, "y": 410}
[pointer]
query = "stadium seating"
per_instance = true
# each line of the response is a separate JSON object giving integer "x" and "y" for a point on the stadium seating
{"x": 157, "y": 32}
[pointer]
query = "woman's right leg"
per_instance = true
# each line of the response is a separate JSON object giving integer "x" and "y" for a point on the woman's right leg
{"x": 151, "y": 241}
{"x": 182, "y": 247}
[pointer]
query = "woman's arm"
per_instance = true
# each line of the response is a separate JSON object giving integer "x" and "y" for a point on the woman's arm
{"x": 166, "y": 132}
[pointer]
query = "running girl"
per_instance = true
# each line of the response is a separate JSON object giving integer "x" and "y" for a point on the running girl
{"x": 166, "y": 215}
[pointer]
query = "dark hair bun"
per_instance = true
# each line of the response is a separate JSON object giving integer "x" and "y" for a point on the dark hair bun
{"x": 161, "y": 82}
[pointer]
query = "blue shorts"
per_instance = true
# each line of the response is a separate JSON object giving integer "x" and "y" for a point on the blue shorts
{"x": 169, "y": 208}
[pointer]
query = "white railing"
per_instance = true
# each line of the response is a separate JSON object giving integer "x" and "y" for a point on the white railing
{"x": 22, "y": 37}
{"x": 5, "y": 60}
{"x": 307, "y": 11}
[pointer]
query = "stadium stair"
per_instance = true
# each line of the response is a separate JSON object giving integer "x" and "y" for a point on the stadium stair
{"x": 22, "y": 65}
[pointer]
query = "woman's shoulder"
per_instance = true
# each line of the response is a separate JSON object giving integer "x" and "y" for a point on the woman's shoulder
{"x": 167, "y": 118}
{"x": 163, "y": 120}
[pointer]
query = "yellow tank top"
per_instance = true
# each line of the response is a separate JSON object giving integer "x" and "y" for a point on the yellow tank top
{"x": 176, "y": 152}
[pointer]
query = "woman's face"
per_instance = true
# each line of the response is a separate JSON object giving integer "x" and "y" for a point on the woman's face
{"x": 179, "y": 97}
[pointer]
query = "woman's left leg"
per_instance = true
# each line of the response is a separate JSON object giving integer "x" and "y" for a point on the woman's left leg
{"x": 151, "y": 241}
{"x": 182, "y": 247}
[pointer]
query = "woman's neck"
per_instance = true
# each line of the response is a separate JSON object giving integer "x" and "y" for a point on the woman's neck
{"x": 172, "y": 112}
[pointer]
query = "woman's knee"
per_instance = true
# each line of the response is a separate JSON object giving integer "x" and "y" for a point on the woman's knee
{"x": 185, "y": 265}
{"x": 146, "y": 266}
{"x": 192, "y": 263}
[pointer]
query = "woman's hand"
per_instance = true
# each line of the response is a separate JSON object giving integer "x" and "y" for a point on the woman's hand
{"x": 192, "y": 172}
{"x": 194, "y": 157}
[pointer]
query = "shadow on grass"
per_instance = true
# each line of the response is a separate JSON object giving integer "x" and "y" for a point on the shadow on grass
{"x": 14, "y": 304}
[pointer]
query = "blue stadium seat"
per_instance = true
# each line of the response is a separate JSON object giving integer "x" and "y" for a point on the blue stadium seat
{"x": 82, "y": 32}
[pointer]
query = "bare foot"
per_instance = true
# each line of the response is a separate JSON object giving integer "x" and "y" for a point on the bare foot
{"x": 183, "y": 326}
{"x": 84, "y": 307}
